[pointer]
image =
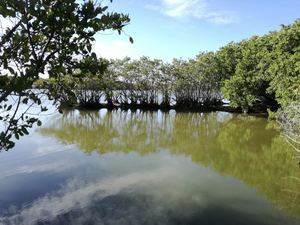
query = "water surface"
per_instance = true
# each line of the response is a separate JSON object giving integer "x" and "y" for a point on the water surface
{"x": 123, "y": 167}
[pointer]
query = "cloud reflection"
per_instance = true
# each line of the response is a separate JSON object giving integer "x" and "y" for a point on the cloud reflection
{"x": 175, "y": 192}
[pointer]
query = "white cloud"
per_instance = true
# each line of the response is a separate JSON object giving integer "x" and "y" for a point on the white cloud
{"x": 77, "y": 194}
{"x": 199, "y": 9}
{"x": 115, "y": 49}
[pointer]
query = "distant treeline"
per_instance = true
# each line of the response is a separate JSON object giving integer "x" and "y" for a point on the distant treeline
{"x": 255, "y": 75}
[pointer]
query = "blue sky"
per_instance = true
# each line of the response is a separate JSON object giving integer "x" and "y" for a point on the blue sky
{"x": 167, "y": 29}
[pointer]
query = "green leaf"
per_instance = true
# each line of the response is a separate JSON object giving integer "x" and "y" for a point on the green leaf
{"x": 131, "y": 40}
{"x": 25, "y": 131}
{"x": 11, "y": 70}
{"x": 89, "y": 47}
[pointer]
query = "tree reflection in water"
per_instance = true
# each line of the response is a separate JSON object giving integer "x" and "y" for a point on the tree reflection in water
{"x": 248, "y": 148}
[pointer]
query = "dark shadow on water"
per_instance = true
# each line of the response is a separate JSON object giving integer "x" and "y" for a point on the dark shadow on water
{"x": 130, "y": 209}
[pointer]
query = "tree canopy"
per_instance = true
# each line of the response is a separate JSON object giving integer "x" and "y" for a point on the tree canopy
{"x": 263, "y": 70}
{"x": 258, "y": 74}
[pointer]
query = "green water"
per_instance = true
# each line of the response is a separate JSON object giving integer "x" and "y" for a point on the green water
{"x": 124, "y": 167}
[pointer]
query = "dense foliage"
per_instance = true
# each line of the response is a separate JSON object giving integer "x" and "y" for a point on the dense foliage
{"x": 255, "y": 75}
{"x": 264, "y": 70}
{"x": 151, "y": 83}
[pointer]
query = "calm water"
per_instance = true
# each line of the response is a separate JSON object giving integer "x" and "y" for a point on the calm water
{"x": 150, "y": 168}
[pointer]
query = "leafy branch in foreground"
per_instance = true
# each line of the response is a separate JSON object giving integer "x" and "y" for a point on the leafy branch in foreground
{"x": 44, "y": 37}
